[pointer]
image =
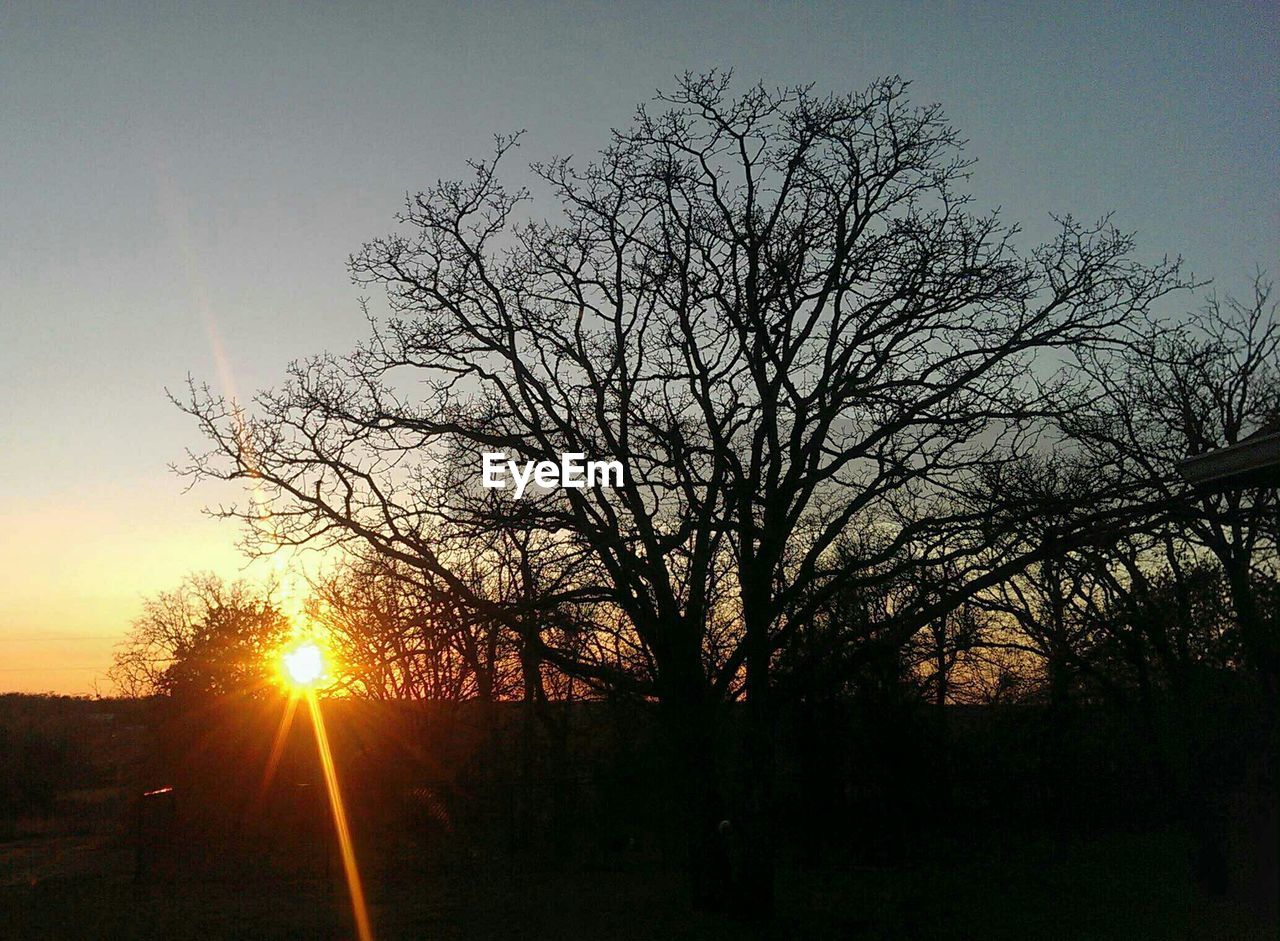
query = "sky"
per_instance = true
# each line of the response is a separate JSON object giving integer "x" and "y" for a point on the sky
{"x": 176, "y": 182}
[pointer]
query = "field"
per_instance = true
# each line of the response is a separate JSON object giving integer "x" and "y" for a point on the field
{"x": 482, "y": 855}
{"x": 1123, "y": 888}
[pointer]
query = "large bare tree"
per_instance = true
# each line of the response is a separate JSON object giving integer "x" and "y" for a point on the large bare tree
{"x": 779, "y": 312}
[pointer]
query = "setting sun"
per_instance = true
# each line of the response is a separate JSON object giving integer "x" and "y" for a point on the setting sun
{"x": 304, "y": 664}
{"x": 717, "y": 471}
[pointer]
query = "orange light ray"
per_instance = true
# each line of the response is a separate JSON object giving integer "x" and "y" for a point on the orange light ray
{"x": 277, "y": 750}
{"x": 364, "y": 930}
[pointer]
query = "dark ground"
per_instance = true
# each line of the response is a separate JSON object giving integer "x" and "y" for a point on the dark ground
{"x": 1124, "y": 887}
{"x": 481, "y": 855}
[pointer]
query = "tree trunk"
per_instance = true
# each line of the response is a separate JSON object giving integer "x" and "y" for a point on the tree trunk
{"x": 692, "y": 732}
{"x": 755, "y": 888}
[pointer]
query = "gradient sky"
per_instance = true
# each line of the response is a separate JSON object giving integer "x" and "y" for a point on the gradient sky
{"x": 174, "y": 181}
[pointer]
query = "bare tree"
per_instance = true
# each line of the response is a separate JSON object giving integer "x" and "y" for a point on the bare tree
{"x": 1207, "y": 382}
{"x": 394, "y": 638}
{"x": 777, "y": 311}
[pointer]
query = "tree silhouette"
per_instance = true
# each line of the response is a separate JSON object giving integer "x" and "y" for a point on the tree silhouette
{"x": 1207, "y": 382}
{"x": 780, "y": 313}
{"x": 206, "y": 637}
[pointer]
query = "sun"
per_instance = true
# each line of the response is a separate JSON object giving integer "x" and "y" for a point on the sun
{"x": 303, "y": 664}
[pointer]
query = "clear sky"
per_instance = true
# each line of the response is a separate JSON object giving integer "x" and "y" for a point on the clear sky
{"x": 175, "y": 180}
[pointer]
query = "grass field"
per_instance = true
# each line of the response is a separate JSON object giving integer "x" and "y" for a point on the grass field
{"x": 1123, "y": 888}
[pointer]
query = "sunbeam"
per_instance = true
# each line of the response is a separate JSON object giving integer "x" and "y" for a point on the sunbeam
{"x": 364, "y": 930}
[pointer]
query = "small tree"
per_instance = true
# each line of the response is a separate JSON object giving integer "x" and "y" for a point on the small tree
{"x": 207, "y": 637}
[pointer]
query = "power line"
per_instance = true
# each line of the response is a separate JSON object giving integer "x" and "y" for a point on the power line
{"x": 44, "y": 669}
{"x": 38, "y": 637}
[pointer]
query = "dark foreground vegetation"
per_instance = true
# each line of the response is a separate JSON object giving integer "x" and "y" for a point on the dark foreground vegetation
{"x": 894, "y": 820}
{"x": 1124, "y": 887}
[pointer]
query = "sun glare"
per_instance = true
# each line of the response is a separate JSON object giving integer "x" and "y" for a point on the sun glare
{"x": 304, "y": 664}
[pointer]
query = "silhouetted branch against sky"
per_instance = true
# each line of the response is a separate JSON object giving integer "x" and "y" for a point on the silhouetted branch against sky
{"x": 775, "y": 308}
{"x": 202, "y": 176}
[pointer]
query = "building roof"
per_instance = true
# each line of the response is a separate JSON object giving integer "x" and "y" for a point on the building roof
{"x": 1253, "y": 462}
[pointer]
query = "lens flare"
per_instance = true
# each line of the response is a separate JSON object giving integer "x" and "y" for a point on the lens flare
{"x": 364, "y": 929}
{"x": 303, "y": 668}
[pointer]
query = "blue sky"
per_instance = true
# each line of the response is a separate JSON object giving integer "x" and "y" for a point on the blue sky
{"x": 176, "y": 179}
